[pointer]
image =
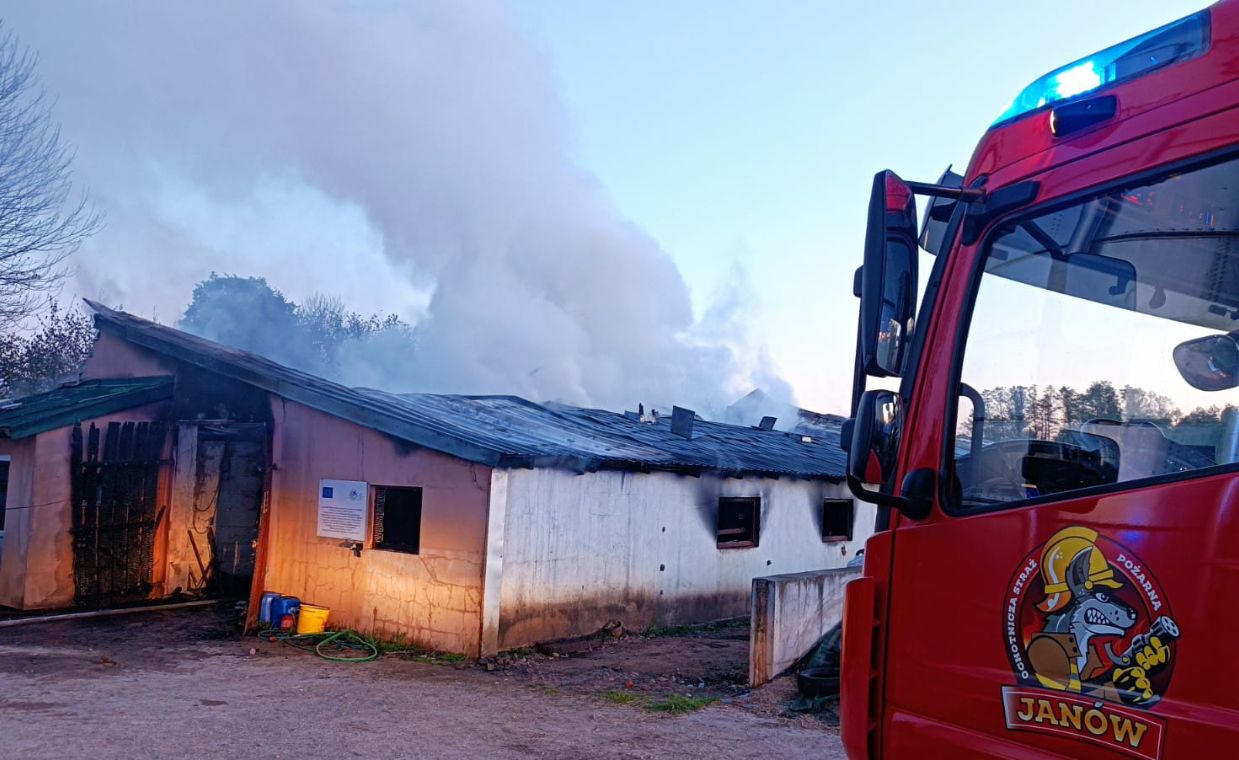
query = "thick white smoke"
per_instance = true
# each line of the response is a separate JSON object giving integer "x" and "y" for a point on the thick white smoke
{"x": 409, "y": 157}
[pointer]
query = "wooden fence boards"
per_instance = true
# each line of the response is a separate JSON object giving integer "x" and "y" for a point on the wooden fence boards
{"x": 114, "y": 490}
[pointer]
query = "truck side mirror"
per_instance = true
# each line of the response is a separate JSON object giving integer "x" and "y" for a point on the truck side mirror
{"x": 888, "y": 280}
{"x": 874, "y": 447}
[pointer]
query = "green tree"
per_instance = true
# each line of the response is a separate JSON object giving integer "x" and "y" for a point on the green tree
{"x": 244, "y": 312}
{"x": 247, "y": 313}
{"x": 1099, "y": 401}
{"x": 329, "y": 326}
{"x": 1044, "y": 408}
{"x": 1139, "y": 404}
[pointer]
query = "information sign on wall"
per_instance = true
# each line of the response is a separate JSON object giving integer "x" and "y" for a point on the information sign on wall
{"x": 343, "y": 508}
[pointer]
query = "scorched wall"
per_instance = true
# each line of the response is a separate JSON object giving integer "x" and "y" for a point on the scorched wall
{"x": 641, "y": 548}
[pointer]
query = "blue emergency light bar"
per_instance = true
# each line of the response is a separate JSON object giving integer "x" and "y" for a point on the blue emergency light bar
{"x": 1175, "y": 42}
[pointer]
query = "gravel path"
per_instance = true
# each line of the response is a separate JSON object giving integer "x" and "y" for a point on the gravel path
{"x": 168, "y": 685}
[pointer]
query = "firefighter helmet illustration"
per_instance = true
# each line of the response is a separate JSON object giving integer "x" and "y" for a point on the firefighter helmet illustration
{"x": 1087, "y": 618}
{"x": 1065, "y": 547}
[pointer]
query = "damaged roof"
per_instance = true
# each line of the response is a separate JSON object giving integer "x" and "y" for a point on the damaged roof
{"x": 506, "y": 431}
{"x": 74, "y": 402}
{"x": 590, "y": 439}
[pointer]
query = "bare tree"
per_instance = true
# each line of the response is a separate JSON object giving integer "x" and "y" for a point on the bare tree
{"x": 40, "y": 223}
{"x": 51, "y": 353}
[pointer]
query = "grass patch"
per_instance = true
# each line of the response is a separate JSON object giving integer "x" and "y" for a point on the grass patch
{"x": 400, "y": 645}
{"x": 671, "y": 631}
{"x": 437, "y": 658}
{"x": 551, "y": 691}
{"x": 719, "y": 626}
{"x": 387, "y": 646}
{"x": 621, "y": 697}
{"x": 675, "y": 704}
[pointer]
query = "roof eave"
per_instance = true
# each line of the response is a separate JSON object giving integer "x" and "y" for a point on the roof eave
{"x": 351, "y": 412}
{"x": 91, "y": 409}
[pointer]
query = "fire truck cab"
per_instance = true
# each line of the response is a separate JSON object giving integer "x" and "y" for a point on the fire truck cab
{"x": 1055, "y": 442}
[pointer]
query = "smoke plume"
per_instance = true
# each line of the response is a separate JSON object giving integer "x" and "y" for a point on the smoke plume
{"x": 408, "y": 157}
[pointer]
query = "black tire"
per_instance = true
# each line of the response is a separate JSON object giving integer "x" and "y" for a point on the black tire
{"x": 818, "y": 682}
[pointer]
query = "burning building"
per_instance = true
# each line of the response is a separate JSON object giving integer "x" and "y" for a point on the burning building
{"x": 468, "y": 524}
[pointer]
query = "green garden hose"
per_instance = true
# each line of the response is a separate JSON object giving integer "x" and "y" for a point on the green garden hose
{"x": 349, "y": 640}
{"x": 315, "y": 642}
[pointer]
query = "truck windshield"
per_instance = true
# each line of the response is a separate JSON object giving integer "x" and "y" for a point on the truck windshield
{"x": 1100, "y": 349}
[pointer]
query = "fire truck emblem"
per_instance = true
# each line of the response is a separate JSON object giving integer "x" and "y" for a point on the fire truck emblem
{"x": 1092, "y": 642}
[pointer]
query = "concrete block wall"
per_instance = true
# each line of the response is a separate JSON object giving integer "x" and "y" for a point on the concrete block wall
{"x": 790, "y": 613}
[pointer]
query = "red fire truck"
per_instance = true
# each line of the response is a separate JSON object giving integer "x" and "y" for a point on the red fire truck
{"x": 1052, "y": 434}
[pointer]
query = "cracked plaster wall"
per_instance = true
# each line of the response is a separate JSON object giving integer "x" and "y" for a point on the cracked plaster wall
{"x": 433, "y": 598}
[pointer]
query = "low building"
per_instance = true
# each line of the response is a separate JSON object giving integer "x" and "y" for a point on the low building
{"x": 42, "y": 460}
{"x": 462, "y": 523}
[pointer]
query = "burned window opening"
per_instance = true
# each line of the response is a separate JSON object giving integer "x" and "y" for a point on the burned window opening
{"x": 739, "y": 521}
{"x": 838, "y": 517}
{"x": 397, "y": 519}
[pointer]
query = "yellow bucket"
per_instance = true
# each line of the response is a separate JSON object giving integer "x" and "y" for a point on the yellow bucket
{"x": 313, "y": 619}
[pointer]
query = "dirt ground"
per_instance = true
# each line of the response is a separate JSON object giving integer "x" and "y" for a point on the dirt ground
{"x": 183, "y": 683}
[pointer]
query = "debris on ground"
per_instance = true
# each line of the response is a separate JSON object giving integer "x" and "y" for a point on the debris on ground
{"x": 817, "y": 679}
{"x": 671, "y": 670}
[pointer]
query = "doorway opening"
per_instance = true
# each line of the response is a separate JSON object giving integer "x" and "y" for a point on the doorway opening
{"x": 229, "y": 481}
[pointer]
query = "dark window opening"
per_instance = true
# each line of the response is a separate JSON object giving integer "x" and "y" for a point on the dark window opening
{"x": 838, "y": 515}
{"x": 397, "y": 519}
{"x": 4, "y": 490}
{"x": 738, "y": 521}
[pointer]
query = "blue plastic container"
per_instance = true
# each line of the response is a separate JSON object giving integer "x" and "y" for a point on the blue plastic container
{"x": 284, "y": 611}
{"x": 264, "y": 606}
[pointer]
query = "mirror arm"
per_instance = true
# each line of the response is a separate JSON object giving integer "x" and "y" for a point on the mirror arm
{"x": 921, "y": 483}
{"x": 968, "y": 195}
{"x": 998, "y": 202}
{"x": 917, "y": 493}
{"x": 875, "y": 497}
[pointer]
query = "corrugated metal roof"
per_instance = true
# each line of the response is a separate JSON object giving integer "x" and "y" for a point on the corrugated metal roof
{"x": 31, "y": 415}
{"x": 506, "y": 431}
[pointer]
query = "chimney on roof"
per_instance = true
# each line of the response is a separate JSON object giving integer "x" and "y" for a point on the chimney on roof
{"x": 767, "y": 423}
{"x": 682, "y": 422}
{"x": 642, "y": 416}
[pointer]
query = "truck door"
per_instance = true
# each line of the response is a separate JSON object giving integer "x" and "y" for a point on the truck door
{"x": 1070, "y": 594}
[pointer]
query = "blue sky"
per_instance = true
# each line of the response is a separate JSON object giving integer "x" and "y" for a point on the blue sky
{"x": 746, "y": 132}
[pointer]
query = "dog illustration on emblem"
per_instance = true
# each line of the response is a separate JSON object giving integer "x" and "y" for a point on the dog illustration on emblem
{"x": 1083, "y": 617}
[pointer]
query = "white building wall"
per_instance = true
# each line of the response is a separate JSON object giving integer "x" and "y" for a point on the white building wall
{"x": 582, "y": 550}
